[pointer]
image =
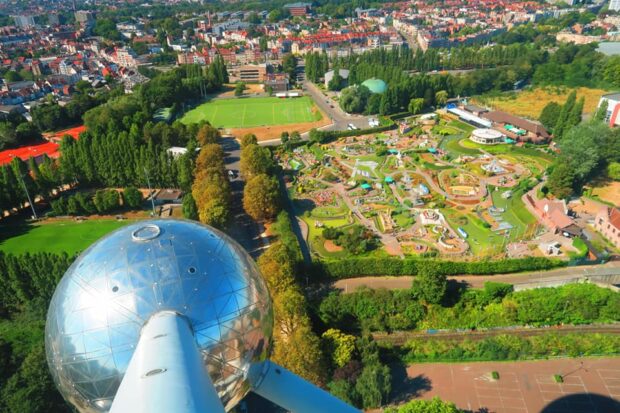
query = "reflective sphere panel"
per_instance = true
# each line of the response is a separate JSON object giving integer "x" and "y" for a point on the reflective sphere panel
{"x": 107, "y": 295}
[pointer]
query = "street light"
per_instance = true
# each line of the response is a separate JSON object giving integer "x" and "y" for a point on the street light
{"x": 148, "y": 183}
{"x": 34, "y": 212}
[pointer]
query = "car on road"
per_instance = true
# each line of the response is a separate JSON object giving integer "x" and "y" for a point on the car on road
{"x": 352, "y": 127}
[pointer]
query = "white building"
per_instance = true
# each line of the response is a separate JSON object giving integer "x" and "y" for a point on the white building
{"x": 612, "y": 117}
{"x": 487, "y": 136}
{"x": 614, "y": 5}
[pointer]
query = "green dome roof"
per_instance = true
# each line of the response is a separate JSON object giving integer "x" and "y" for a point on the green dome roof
{"x": 375, "y": 85}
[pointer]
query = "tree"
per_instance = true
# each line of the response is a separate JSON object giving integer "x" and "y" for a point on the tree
{"x": 335, "y": 83}
{"x": 340, "y": 346}
{"x": 190, "y": 211}
{"x": 284, "y": 138}
{"x": 261, "y": 197}
{"x": 436, "y": 405}
{"x": 550, "y": 114}
{"x": 213, "y": 201}
{"x": 239, "y": 88}
{"x": 374, "y": 385}
{"x": 255, "y": 160}
{"x": 289, "y": 66}
{"x": 207, "y": 134}
{"x": 132, "y": 197}
{"x": 211, "y": 158}
{"x": 353, "y": 99}
{"x": 441, "y": 97}
{"x": 8, "y": 137}
{"x": 416, "y": 105}
{"x": 562, "y": 125}
{"x": 248, "y": 139}
{"x": 430, "y": 284}
{"x": 613, "y": 171}
{"x": 31, "y": 389}
{"x": 601, "y": 111}
{"x": 277, "y": 266}
{"x": 561, "y": 180}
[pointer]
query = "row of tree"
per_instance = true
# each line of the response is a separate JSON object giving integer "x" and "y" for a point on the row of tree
{"x": 211, "y": 188}
{"x": 102, "y": 201}
{"x": 559, "y": 119}
{"x": 427, "y": 305}
{"x": 261, "y": 193}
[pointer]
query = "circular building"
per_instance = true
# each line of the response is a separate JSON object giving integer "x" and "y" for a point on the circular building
{"x": 487, "y": 136}
{"x": 376, "y": 86}
{"x": 112, "y": 290}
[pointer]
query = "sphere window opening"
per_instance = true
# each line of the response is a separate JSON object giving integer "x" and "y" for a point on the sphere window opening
{"x": 155, "y": 372}
{"x": 191, "y": 270}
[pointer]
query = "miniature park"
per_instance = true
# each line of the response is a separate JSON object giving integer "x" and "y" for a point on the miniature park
{"x": 436, "y": 186}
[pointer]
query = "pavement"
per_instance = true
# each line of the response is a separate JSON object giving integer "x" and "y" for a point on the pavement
{"x": 477, "y": 281}
{"x": 590, "y": 385}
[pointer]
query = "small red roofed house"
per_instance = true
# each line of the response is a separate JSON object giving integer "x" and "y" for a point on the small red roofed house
{"x": 607, "y": 222}
{"x": 553, "y": 214}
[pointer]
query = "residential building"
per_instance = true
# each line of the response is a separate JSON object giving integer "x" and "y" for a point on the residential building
{"x": 614, "y": 5}
{"x": 612, "y": 116}
{"x": 607, "y": 222}
{"x": 298, "y": 9}
{"x": 85, "y": 18}
{"x": 24, "y": 21}
{"x": 518, "y": 128}
{"x": 248, "y": 73}
{"x": 553, "y": 214}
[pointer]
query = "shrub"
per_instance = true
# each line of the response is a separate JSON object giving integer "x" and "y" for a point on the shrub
{"x": 495, "y": 375}
{"x": 558, "y": 378}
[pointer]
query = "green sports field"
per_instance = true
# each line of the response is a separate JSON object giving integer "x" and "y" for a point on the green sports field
{"x": 56, "y": 236}
{"x": 252, "y": 112}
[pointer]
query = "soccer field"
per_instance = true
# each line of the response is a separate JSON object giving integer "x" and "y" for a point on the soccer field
{"x": 252, "y": 112}
{"x": 56, "y": 236}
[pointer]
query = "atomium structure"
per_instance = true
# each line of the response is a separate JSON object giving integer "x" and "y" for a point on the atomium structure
{"x": 168, "y": 316}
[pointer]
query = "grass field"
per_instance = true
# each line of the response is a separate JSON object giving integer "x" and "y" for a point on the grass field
{"x": 530, "y": 103}
{"x": 56, "y": 236}
{"x": 252, "y": 112}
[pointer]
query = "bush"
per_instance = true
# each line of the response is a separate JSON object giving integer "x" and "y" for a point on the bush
{"x": 370, "y": 266}
{"x": 495, "y": 375}
{"x": 510, "y": 347}
{"x": 132, "y": 197}
{"x": 382, "y": 310}
{"x": 558, "y": 378}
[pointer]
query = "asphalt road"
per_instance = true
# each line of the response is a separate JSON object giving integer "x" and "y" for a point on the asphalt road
{"x": 243, "y": 228}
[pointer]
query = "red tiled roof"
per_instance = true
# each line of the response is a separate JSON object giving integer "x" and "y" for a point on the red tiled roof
{"x": 614, "y": 217}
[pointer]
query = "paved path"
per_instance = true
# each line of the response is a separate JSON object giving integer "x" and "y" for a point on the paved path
{"x": 590, "y": 385}
{"x": 401, "y": 337}
{"x": 477, "y": 281}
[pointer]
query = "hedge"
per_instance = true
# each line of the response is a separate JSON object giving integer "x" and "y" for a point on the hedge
{"x": 363, "y": 267}
{"x": 328, "y": 136}
{"x": 508, "y": 347}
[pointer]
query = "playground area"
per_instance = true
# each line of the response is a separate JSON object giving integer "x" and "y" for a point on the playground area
{"x": 424, "y": 189}
{"x": 588, "y": 385}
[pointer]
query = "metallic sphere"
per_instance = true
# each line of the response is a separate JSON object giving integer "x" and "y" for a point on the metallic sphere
{"x": 107, "y": 295}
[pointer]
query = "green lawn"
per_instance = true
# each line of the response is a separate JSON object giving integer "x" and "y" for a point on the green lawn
{"x": 482, "y": 241}
{"x": 55, "y": 237}
{"x": 251, "y": 112}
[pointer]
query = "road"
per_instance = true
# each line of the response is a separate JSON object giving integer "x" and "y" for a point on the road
{"x": 340, "y": 118}
{"x": 477, "y": 281}
{"x": 243, "y": 228}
